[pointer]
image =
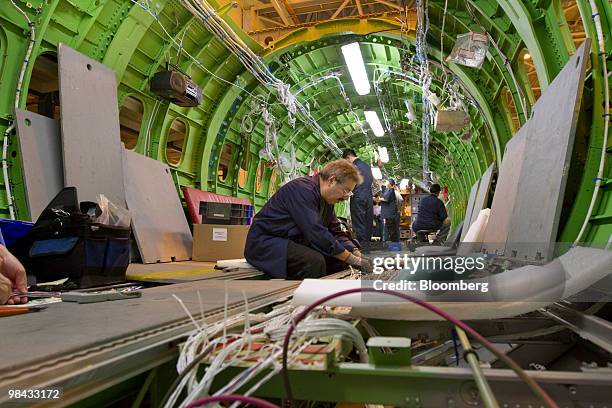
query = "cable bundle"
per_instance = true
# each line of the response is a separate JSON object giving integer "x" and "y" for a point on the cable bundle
{"x": 255, "y": 65}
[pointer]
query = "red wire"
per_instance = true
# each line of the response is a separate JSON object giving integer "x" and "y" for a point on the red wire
{"x": 538, "y": 391}
{"x": 233, "y": 398}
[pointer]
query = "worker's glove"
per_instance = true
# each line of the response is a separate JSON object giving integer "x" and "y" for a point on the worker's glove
{"x": 356, "y": 252}
{"x": 366, "y": 265}
{"x": 363, "y": 263}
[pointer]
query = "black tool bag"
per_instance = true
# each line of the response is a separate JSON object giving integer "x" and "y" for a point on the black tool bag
{"x": 66, "y": 243}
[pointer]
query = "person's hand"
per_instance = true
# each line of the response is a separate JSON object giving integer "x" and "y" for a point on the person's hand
{"x": 13, "y": 270}
{"x": 353, "y": 260}
{"x": 6, "y": 288}
{"x": 356, "y": 252}
{"x": 366, "y": 266}
{"x": 363, "y": 263}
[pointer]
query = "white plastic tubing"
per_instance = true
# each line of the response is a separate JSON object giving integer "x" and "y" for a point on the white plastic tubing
{"x": 510, "y": 293}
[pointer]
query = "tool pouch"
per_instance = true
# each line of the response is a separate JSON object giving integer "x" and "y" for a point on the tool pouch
{"x": 66, "y": 243}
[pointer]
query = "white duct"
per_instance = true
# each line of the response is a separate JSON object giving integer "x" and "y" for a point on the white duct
{"x": 536, "y": 286}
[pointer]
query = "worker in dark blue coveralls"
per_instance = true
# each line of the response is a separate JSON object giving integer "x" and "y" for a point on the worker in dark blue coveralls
{"x": 389, "y": 211}
{"x": 432, "y": 215}
{"x": 362, "y": 211}
{"x": 296, "y": 235}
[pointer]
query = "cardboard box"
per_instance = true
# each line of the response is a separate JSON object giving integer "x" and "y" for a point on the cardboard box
{"x": 213, "y": 242}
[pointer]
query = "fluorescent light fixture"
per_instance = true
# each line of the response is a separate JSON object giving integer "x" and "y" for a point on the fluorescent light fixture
{"x": 372, "y": 118}
{"x": 376, "y": 173}
{"x": 383, "y": 154}
{"x": 354, "y": 63}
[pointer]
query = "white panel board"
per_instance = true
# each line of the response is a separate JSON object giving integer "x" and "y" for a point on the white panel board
{"x": 41, "y": 159}
{"x": 505, "y": 193}
{"x": 91, "y": 141}
{"x": 467, "y": 220}
{"x": 158, "y": 219}
{"x": 483, "y": 193}
{"x": 535, "y": 217}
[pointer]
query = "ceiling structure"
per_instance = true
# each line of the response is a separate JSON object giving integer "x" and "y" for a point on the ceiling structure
{"x": 299, "y": 40}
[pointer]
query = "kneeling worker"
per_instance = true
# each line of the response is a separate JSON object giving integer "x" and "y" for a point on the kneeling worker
{"x": 296, "y": 235}
{"x": 432, "y": 215}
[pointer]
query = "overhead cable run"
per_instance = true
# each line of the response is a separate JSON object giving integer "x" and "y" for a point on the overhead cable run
{"x": 336, "y": 75}
{"x": 286, "y": 159}
{"x": 386, "y": 118}
{"x": 505, "y": 59}
{"x": 425, "y": 81}
{"x": 256, "y": 66}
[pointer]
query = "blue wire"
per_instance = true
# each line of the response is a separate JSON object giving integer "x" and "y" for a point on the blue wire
{"x": 454, "y": 333}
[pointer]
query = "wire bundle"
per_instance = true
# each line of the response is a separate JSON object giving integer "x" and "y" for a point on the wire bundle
{"x": 425, "y": 81}
{"x": 325, "y": 327}
{"x": 256, "y": 66}
{"x": 228, "y": 350}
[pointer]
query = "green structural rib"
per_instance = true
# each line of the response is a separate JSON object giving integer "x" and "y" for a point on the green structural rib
{"x": 137, "y": 38}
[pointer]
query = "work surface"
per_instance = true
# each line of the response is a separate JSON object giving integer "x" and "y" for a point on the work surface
{"x": 65, "y": 328}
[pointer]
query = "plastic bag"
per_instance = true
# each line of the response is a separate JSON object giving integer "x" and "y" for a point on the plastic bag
{"x": 111, "y": 214}
{"x": 470, "y": 49}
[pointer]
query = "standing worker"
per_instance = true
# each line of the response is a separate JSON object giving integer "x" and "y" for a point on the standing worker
{"x": 362, "y": 212}
{"x": 432, "y": 215}
{"x": 389, "y": 212}
{"x": 296, "y": 235}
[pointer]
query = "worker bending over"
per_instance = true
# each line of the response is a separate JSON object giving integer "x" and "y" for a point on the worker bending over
{"x": 432, "y": 215}
{"x": 296, "y": 235}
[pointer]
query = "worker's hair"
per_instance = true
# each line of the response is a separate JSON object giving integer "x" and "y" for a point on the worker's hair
{"x": 391, "y": 181}
{"x": 342, "y": 170}
{"x": 435, "y": 189}
{"x": 348, "y": 153}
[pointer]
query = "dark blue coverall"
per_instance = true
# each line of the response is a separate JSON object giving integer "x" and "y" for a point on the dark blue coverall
{"x": 296, "y": 233}
{"x": 431, "y": 216}
{"x": 390, "y": 214}
{"x": 362, "y": 212}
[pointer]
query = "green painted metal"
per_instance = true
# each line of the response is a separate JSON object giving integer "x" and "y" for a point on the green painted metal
{"x": 126, "y": 37}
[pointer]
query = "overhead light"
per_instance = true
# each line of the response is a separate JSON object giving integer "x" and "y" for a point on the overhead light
{"x": 372, "y": 118}
{"x": 376, "y": 173}
{"x": 526, "y": 56}
{"x": 356, "y": 67}
{"x": 383, "y": 154}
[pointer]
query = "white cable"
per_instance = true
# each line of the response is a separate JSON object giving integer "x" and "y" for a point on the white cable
{"x": 602, "y": 161}
{"x": 324, "y": 328}
{"x": 153, "y": 13}
{"x": 225, "y": 309}
{"x": 178, "y": 299}
{"x": 505, "y": 59}
{"x": 252, "y": 62}
{"x": 149, "y": 125}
